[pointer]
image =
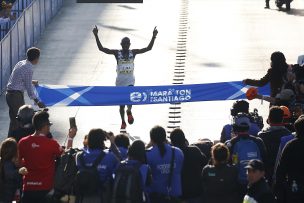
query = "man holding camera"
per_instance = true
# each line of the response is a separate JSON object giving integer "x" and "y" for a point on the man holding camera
{"x": 19, "y": 81}
{"x": 37, "y": 152}
{"x": 240, "y": 106}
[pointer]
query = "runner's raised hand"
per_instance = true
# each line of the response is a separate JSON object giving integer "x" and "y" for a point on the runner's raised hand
{"x": 155, "y": 32}
{"x": 95, "y": 30}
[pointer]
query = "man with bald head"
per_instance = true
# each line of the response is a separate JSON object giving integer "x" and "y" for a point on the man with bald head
{"x": 125, "y": 67}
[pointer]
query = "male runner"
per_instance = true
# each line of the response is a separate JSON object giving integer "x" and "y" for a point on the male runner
{"x": 125, "y": 67}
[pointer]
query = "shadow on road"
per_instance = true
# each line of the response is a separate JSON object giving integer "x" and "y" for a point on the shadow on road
{"x": 116, "y": 28}
{"x": 127, "y": 7}
{"x": 296, "y": 12}
{"x": 212, "y": 65}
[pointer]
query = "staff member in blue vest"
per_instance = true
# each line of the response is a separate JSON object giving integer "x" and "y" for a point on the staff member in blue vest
{"x": 159, "y": 158}
{"x": 125, "y": 67}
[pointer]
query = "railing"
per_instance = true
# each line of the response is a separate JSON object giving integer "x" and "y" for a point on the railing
{"x": 25, "y": 32}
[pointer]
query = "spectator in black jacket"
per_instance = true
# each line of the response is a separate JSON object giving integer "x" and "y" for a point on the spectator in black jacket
{"x": 258, "y": 189}
{"x": 290, "y": 170}
{"x": 271, "y": 137}
{"x": 194, "y": 162}
{"x": 276, "y": 75}
{"x": 24, "y": 117}
{"x": 220, "y": 180}
{"x": 10, "y": 175}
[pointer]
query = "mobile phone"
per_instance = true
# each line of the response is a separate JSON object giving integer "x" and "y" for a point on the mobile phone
{"x": 72, "y": 122}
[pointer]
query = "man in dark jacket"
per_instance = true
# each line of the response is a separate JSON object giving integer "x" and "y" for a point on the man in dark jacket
{"x": 271, "y": 137}
{"x": 289, "y": 174}
{"x": 258, "y": 189}
{"x": 194, "y": 162}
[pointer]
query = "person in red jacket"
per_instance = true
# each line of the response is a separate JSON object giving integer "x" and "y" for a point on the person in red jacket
{"x": 37, "y": 152}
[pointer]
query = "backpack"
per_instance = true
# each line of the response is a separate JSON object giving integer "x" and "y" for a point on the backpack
{"x": 87, "y": 182}
{"x": 243, "y": 151}
{"x": 127, "y": 187}
{"x": 205, "y": 146}
{"x": 65, "y": 174}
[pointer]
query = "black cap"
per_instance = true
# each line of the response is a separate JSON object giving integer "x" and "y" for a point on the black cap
{"x": 255, "y": 164}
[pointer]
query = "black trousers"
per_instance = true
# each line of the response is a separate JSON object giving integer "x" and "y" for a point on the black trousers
{"x": 39, "y": 196}
{"x": 14, "y": 100}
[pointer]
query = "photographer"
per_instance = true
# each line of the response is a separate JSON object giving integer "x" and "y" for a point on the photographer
{"x": 240, "y": 106}
{"x": 37, "y": 152}
{"x": 24, "y": 117}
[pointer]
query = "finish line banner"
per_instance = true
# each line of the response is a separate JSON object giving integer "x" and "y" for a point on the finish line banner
{"x": 58, "y": 95}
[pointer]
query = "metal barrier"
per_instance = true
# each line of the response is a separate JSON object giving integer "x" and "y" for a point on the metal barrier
{"x": 24, "y": 33}
{"x": 17, "y": 9}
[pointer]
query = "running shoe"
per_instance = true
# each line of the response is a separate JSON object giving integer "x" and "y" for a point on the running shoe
{"x": 130, "y": 117}
{"x": 123, "y": 125}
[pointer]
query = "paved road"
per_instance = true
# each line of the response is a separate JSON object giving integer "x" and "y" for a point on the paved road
{"x": 224, "y": 41}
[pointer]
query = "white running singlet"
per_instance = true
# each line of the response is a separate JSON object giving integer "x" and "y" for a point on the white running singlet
{"x": 125, "y": 69}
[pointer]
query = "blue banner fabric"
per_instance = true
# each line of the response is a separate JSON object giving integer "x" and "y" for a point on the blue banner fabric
{"x": 55, "y": 95}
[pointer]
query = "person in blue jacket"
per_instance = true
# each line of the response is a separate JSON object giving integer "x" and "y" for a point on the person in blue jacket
{"x": 159, "y": 158}
{"x": 122, "y": 142}
{"x": 96, "y": 146}
{"x": 136, "y": 159}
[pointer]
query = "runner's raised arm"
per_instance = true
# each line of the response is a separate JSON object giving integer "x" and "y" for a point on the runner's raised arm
{"x": 149, "y": 47}
{"x": 99, "y": 45}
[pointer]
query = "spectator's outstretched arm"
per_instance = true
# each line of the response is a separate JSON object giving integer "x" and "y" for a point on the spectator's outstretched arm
{"x": 259, "y": 83}
{"x": 71, "y": 135}
{"x": 271, "y": 100}
{"x": 149, "y": 47}
{"x": 99, "y": 45}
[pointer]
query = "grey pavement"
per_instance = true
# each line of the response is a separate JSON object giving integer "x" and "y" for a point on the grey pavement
{"x": 227, "y": 41}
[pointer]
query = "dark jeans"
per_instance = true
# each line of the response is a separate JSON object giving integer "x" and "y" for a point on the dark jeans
{"x": 38, "y": 196}
{"x": 14, "y": 100}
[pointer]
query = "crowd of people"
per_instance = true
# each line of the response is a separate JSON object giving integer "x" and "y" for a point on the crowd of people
{"x": 251, "y": 163}
{"x": 5, "y": 12}
{"x": 263, "y": 167}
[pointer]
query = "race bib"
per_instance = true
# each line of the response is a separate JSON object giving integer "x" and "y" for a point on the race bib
{"x": 125, "y": 67}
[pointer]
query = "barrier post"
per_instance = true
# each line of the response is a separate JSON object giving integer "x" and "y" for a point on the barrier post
{"x": 1, "y": 68}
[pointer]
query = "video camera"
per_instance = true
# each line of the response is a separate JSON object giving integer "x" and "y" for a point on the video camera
{"x": 256, "y": 118}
